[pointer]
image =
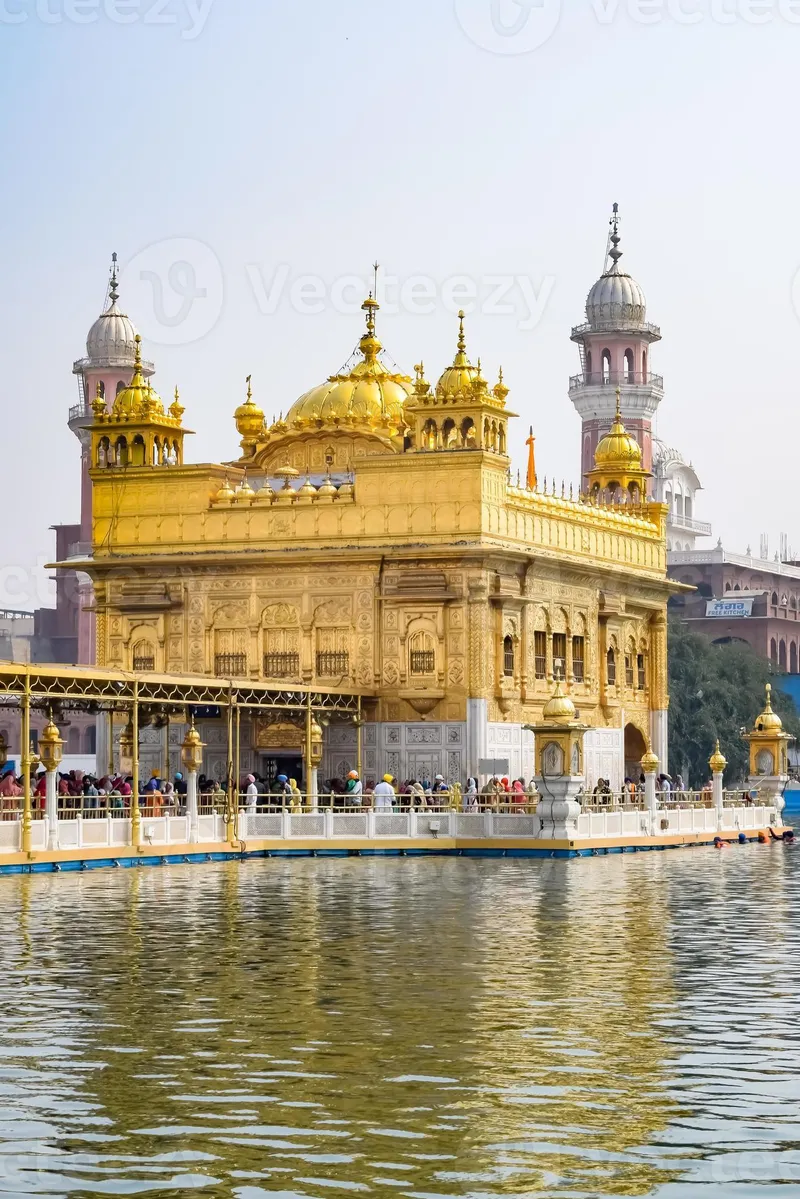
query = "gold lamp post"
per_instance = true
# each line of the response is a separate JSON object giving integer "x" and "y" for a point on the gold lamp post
{"x": 192, "y": 758}
{"x": 51, "y": 748}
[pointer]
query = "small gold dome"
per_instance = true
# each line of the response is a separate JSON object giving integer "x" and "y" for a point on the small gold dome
{"x": 176, "y": 409}
{"x": 650, "y": 761}
{"x": 138, "y": 399}
{"x": 327, "y": 488}
{"x": 769, "y": 721}
{"x": 307, "y": 492}
{"x": 369, "y": 395}
{"x": 460, "y": 378}
{"x": 618, "y": 450}
{"x": 559, "y": 709}
{"x": 249, "y": 417}
{"x": 244, "y": 492}
{"x": 225, "y": 493}
{"x": 717, "y": 761}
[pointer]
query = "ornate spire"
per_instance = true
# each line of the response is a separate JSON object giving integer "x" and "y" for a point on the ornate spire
{"x": 369, "y": 344}
{"x": 500, "y": 391}
{"x": 176, "y": 409}
{"x": 614, "y": 252}
{"x": 461, "y": 354}
{"x": 113, "y": 294}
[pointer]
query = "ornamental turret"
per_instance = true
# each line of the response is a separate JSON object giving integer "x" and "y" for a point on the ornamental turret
{"x": 615, "y": 346}
{"x": 462, "y": 412}
{"x": 138, "y": 431}
{"x": 617, "y": 466}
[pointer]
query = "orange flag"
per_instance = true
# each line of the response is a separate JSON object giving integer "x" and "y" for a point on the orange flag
{"x": 531, "y": 478}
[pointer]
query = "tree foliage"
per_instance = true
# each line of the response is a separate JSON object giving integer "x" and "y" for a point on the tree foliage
{"x": 715, "y": 691}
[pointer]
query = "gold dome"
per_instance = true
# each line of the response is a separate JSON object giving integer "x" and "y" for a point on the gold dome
{"x": 717, "y": 761}
{"x": 249, "y": 417}
{"x": 225, "y": 493}
{"x": 368, "y": 395}
{"x": 769, "y": 721}
{"x": 559, "y": 709}
{"x": 138, "y": 399}
{"x": 460, "y": 378}
{"x": 649, "y": 762}
{"x": 618, "y": 450}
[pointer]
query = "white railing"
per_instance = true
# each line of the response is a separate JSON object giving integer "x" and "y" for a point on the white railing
{"x": 675, "y": 813}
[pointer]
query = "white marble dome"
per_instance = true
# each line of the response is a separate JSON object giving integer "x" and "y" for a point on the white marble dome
{"x": 616, "y": 300}
{"x": 112, "y": 337}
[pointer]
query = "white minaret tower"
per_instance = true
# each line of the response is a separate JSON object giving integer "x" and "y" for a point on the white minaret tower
{"x": 110, "y": 354}
{"x": 615, "y": 353}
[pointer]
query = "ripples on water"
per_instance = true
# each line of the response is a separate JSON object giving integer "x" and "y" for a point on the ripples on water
{"x": 418, "y": 1027}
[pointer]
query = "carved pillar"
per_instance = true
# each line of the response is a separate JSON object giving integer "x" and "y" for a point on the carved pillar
{"x": 659, "y": 689}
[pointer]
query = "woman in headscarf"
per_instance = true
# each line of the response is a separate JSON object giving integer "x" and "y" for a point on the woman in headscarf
{"x": 518, "y": 796}
{"x": 469, "y": 801}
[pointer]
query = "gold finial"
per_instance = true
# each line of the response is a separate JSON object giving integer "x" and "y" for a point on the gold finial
{"x": 717, "y": 761}
{"x": 649, "y": 761}
{"x": 249, "y": 389}
{"x": 113, "y": 294}
{"x": 462, "y": 342}
{"x": 618, "y": 413}
{"x": 176, "y": 409}
{"x": 98, "y": 403}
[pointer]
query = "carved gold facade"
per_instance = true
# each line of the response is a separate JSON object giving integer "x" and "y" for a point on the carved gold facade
{"x": 374, "y": 539}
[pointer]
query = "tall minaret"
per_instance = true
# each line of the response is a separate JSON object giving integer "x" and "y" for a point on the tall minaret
{"x": 110, "y": 356}
{"x": 108, "y": 365}
{"x": 615, "y": 353}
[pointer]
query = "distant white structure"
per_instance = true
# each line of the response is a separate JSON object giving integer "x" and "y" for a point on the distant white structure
{"x": 675, "y": 483}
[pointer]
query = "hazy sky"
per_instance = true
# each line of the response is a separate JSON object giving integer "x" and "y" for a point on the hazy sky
{"x": 279, "y": 148}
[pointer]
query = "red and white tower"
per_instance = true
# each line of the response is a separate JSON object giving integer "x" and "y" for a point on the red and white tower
{"x": 615, "y": 346}
{"x": 108, "y": 365}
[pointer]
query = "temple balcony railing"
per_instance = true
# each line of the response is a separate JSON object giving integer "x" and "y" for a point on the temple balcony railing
{"x": 617, "y": 379}
{"x": 687, "y": 524}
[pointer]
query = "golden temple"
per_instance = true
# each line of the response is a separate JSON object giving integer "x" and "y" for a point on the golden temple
{"x": 374, "y": 539}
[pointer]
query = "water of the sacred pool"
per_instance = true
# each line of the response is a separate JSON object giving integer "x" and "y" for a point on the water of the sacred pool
{"x": 433, "y": 1027}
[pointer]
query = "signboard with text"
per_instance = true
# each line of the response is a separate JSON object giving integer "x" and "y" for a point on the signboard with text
{"x": 729, "y": 607}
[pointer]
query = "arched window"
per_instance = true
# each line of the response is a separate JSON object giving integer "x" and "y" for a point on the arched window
{"x": 727, "y": 586}
{"x": 630, "y": 376}
{"x": 508, "y": 657}
{"x": 138, "y": 451}
{"x": 501, "y": 439}
{"x": 468, "y": 435}
{"x": 157, "y": 452}
{"x": 73, "y": 740}
{"x": 737, "y": 588}
{"x": 449, "y": 434}
{"x": 687, "y": 507}
{"x": 422, "y": 654}
{"x": 611, "y": 668}
{"x": 793, "y": 603}
{"x": 101, "y": 389}
{"x": 589, "y": 378}
{"x": 782, "y": 655}
{"x": 774, "y": 599}
{"x": 644, "y": 366}
{"x": 143, "y": 656}
{"x": 429, "y": 435}
{"x": 121, "y": 451}
{"x": 793, "y": 658}
{"x": 90, "y": 739}
{"x": 773, "y": 650}
{"x": 486, "y": 434}
{"x": 121, "y": 385}
{"x": 606, "y": 366}
{"x": 104, "y": 455}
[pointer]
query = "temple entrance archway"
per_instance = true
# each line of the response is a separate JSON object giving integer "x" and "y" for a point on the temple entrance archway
{"x": 635, "y": 749}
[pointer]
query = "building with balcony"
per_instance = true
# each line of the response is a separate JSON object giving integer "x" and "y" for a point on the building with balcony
{"x": 675, "y": 483}
{"x": 742, "y": 598}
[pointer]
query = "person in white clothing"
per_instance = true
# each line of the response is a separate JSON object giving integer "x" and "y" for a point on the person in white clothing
{"x": 251, "y": 797}
{"x": 384, "y": 795}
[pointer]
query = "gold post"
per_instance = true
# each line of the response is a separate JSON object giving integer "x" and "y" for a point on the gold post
{"x": 237, "y": 778}
{"x": 111, "y": 743}
{"x": 230, "y": 829}
{"x": 309, "y": 751}
{"x": 136, "y": 816}
{"x": 25, "y": 762}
